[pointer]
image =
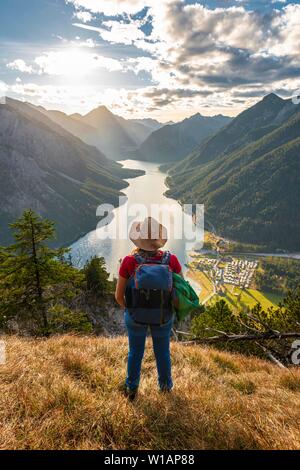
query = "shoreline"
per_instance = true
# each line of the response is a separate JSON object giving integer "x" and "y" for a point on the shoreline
{"x": 292, "y": 255}
{"x": 135, "y": 173}
{"x": 282, "y": 253}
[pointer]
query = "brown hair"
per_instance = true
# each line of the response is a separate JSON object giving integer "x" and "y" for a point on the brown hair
{"x": 144, "y": 253}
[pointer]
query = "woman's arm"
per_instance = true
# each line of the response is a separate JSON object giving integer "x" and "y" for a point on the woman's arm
{"x": 120, "y": 291}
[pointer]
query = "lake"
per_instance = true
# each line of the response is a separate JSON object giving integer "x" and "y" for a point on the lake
{"x": 147, "y": 190}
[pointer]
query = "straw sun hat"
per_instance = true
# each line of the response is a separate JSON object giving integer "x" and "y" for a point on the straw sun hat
{"x": 149, "y": 235}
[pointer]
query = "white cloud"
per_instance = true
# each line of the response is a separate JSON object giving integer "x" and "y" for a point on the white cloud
{"x": 161, "y": 103}
{"x": 286, "y": 41}
{"x": 225, "y": 46}
{"x": 84, "y": 16}
{"x": 197, "y": 36}
{"x": 74, "y": 62}
{"x": 89, "y": 43}
{"x": 20, "y": 65}
{"x": 70, "y": 62}
{"x": 34, "y": 90}
{"x": 113, "y": 7}
{"x": 78, "y": 42}
{"x": 88, "y": 27}
{"x": 195, "y": 49}
{"x": 121, "y": 32}
{"x": 141, "y": 64}
{"x": 200, "y": 57}
{"x": 54, "y": 97}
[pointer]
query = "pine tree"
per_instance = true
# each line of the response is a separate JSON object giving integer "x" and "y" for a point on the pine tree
{"x": 97, "y": 278}
{"x": 33, "y": 275}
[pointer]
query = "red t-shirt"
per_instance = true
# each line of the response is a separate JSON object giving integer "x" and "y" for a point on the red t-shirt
{"x": 129, "y": 264}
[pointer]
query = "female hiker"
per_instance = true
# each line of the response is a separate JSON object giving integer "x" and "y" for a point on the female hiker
{"x": 144, "y": 289}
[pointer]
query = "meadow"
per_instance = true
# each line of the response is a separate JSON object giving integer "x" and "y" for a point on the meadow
{"x": 65, "y": 393}
{"x": 240, "y": 299}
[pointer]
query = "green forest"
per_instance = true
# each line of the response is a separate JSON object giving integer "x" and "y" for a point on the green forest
{"x": 248, "y": 177}
{"x": 41, "y": 291}
{"x": 278, "y": 275}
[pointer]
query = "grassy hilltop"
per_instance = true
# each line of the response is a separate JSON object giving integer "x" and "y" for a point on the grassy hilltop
{"x": 63, "y": 393}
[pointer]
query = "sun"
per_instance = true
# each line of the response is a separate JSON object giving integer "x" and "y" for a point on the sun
{"x": 69, "y": 63}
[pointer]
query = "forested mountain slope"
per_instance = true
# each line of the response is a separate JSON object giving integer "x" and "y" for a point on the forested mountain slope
{"x": 173, "y": 142}
{"x": 247, "y": 127}
{"x": 251, "y": 193}
{"x": 45, "y": 168}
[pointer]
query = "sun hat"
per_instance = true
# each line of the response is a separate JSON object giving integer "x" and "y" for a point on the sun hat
{"x": 149, "y": 235}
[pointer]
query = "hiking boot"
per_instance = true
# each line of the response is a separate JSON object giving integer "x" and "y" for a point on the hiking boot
{"x": 130, "y": 393}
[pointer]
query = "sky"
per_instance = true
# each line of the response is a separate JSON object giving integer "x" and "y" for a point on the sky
{"x": 165, "y": 59}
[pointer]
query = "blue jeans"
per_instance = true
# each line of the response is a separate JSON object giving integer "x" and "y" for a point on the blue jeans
{"x": 161, "y": 344}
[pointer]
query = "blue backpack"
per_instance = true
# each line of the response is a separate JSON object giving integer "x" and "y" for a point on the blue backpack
{"x": 149, "y": 291}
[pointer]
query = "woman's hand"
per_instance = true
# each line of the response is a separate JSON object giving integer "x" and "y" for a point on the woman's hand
{"x": 120, "y": 291}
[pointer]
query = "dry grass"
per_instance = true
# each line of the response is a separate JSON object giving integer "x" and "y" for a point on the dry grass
{"x": 63, "y": 393}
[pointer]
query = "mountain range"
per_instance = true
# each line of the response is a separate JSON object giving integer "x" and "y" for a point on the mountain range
{"x": 173, "y": 142}
{"x": 113, "y": 135}
{"x": 246, "y": 170}
{"x": 142, "y": 139}
{"x": 248, "y": 176}
{"x": 47, "y": 169}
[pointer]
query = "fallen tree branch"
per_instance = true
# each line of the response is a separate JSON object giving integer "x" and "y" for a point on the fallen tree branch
{"x": 247, "y": 337}
{"x": 175, "y": 334}
{"x": 218, "y": 331}
{"x": 188, "y": 343}
{"x": 270, "y": 355}
{"x": 183, "y": 333}
{"x": 247, "y": 326}
{"x": 265, "y": 325}
{"x": 256, "y": 337}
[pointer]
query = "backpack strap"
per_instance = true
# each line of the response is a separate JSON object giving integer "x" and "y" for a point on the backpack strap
{"x": 139, "y": 259}
{"x": 165, "y": 259}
